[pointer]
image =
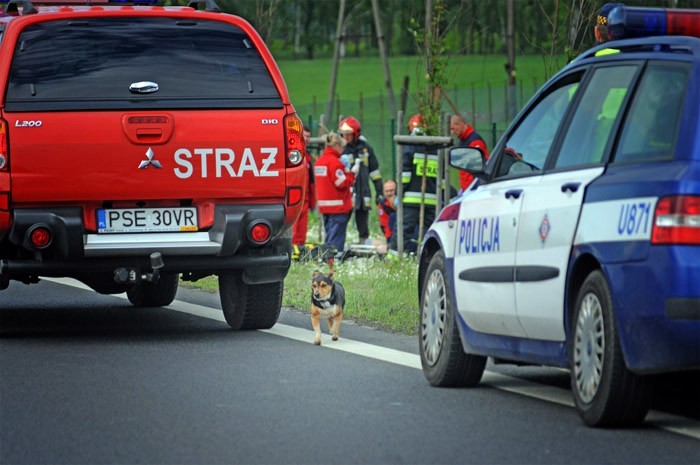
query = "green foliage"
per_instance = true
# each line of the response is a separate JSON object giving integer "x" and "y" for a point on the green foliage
{"x": 430, "y": 41}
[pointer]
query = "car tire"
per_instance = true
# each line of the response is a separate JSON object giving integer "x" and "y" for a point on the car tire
{"x": 158, "y": 294}
{"x": 445, "y": 364}
{"x": 249, "y": 306}
{"x": 605, "y": 392}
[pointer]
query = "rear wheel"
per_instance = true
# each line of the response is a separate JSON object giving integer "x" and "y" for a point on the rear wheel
{"x": 606, "y": 393}
{"x": 158, "y": 294}
{"x": 445, "y": 364}
{"x": 249, "y": 306}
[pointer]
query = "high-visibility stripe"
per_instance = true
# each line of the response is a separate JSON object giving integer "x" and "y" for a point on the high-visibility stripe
{"x": 430, "y": 167}
{"x": 414, "y": 198}
{"x": 421, "y": 156}
{"x": 375, "y": 174}
{"x": 329, "y": 203}
{"x": 413, "y": 201}
{"x": 428, "y": 195}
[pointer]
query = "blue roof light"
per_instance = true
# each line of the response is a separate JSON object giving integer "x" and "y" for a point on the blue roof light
{"x": 625, "y": 22}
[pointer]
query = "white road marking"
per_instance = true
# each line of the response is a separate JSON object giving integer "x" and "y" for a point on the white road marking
{"x": 672, "y": 423}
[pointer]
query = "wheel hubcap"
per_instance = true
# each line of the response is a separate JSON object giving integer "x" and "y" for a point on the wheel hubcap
{"x": 433, "y": 317}
{"x": 589, "y": 347}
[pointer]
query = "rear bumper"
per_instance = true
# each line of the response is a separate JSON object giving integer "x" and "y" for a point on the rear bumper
{"x": 657, "y": 303}
{"x": 224, "y": 247}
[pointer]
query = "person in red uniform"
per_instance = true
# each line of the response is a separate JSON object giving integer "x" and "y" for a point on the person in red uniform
{"x": 386, "y": 209}
{"x": 334, "y": 180}
{"x": 468, "y": 137}
{"x": 358, "y": 148}
{"x": 301, "y": 225}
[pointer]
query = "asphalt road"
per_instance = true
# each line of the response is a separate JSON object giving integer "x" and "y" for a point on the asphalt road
{"x": 86, "y": 378}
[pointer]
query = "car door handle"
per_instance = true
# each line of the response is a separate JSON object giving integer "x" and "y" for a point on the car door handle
{"x": 570, "y": 187}
{"x": 514, "y": 193}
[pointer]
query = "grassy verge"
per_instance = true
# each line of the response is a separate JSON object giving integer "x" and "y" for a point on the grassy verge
{"x": 380, "y": 292}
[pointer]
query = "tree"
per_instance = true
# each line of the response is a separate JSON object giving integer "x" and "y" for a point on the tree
{"x": 430, "y": 41}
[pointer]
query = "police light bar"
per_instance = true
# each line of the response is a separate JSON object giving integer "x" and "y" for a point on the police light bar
{"x": 626, "y": 22}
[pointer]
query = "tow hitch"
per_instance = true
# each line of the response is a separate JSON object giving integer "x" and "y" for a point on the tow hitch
{"x": 130, "y": 275}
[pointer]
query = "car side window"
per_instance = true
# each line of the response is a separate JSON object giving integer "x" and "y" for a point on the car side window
{"x": 650, "y": 130}
{"x": 592, "y": 122}
{"x": 527, "y": 147}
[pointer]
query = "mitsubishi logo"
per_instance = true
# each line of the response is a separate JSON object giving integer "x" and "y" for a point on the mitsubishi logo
{"x": 150, "y": 161}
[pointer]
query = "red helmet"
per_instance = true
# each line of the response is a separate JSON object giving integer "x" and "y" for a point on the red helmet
{"x": 349, "y": 125}
{"x": 416, "y": 121}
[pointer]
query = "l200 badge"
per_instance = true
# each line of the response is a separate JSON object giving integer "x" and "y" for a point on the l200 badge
{"x": 28, "y": 124}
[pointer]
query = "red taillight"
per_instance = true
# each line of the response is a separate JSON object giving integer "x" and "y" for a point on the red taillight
{"x": 293, "y": 140}
{"x": 148, "y": 119}
{"x": 449, "y": 213}
{"x": 3, "y": 146}
{"x": 40, "y": 237}
{"x": 677, "y": 220}
{"x": 260, "y": 233}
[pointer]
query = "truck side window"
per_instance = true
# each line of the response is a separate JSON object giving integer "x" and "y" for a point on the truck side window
{"x": 591, "y": 125}
{"x": 650, "y": 130}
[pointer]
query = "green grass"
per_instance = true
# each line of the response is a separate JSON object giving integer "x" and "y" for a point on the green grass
{"x": 307, "y": 79}
{"x": 379, "y": 292}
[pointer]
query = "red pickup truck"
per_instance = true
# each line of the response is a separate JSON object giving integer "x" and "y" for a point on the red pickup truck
{"x": 141, "y": 144}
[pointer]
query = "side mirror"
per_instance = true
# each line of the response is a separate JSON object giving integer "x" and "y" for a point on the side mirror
{"x": 470, "y": 159}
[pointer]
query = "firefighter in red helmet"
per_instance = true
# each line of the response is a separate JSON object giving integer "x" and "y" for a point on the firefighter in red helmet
{"x": 361, "y": 153}
{"x": 416, "y": 125}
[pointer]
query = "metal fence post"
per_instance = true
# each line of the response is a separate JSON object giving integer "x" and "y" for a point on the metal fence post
{"x": 399, "y": 188}
{"x": 393, "y": 148}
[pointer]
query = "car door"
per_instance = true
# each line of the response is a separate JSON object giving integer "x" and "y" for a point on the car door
{"x": 486, "y": 240}
{"x": 551, "y": 207}
{"x": 485, "y": 257}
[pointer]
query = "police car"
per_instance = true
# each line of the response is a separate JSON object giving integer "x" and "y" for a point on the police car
{"x": 578, "y": 245}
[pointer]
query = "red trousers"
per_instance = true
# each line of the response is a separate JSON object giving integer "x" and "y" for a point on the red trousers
{"x": 301, "y": 225}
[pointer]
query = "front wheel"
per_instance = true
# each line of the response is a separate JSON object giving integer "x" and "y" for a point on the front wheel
{"x": 445, "y": 364}
{"x": 158, "y": 294}
{"x": 249, "y": 306}
{"x": 605, "y": 392}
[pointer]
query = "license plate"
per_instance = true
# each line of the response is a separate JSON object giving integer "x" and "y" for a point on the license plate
{"x": 136, "y": 220}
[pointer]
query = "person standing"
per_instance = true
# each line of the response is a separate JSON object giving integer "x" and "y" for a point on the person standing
{"x": 301, "y": 225}
{"x": 357, "y": 148}
{"x": 468, "y": 137}
{"x": 419, "y": 179}
{"x": 334, "y": 181}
